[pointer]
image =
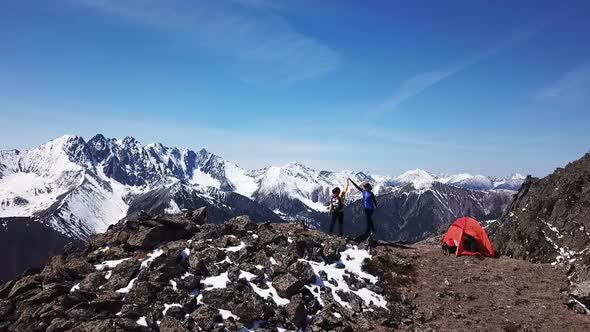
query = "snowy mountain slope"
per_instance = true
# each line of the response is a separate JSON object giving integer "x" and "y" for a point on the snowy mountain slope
{"x": 33, "y": 180}
{"x": 80, "y": 187}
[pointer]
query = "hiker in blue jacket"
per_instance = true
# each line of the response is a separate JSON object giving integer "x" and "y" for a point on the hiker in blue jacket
{"x": 369, "y": 203}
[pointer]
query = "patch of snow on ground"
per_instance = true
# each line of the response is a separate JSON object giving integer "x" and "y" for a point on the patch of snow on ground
{"x": 566, "y": 256}
{"x": 225, "y": 260}
{"x": 127, "y": 288}
{"x": 168, "y": 306}
{"x": 151, "y": 256}
{"x": 186, "y": 275}
{"x": 141, "y": 321}
{"x": 173, "y": 283}
{"x": 108, "y": 275}
{"x": 270, "y": 292}
{"x": 554, "y": 230}
{"x": 110, "y": 264}
{"x": 550, "y": 240}
{"x": 273, "y": 261}
{"x": 185, "y": 254}
{"x": 226, "y": 314}
{"x": 219, "y": 281}
{"x": 75, "y": 288}
{"x": 352, "y": 258}
{"x": 249, "y": 276}
{"x": 487, "y": 223}
{"x": 234, "y": 248}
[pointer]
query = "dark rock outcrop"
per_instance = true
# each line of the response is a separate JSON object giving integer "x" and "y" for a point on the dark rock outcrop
{"x": 549, "y": 219}
{"x": 549, "y": 222}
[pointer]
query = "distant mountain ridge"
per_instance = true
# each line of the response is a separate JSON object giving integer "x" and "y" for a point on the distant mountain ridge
{"x": 80, "y": 187}
{"x": 422, "y": 179}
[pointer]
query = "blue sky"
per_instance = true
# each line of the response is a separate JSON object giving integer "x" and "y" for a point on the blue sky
{"x": 488, "y": 87}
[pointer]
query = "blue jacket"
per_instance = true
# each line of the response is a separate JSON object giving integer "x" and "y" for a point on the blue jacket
{"x": 369, "y": 200}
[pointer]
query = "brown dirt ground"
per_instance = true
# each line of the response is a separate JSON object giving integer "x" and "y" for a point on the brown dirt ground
{"x": 472, "y": 294}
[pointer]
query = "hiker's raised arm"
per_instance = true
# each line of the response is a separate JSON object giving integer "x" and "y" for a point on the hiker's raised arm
{"x": 356, "y": 185}
{"x": 345, "y": 188}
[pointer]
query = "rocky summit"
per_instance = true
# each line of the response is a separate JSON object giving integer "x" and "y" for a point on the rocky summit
{"x": 179, "y": 273}
{"x": 549, "y": 222}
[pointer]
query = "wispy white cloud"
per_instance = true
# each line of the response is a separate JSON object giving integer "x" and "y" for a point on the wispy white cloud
{"x": 261, "y": 44}
{"x": 415, "y": 85}
{"x": 572, "y": 89}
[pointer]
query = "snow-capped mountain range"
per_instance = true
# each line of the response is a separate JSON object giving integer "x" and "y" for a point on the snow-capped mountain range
{"x": 80, "y": 187}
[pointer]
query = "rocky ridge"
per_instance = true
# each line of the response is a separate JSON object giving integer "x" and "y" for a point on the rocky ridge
{"x": 179, "y": 273}
{"x": 549, "y": 222}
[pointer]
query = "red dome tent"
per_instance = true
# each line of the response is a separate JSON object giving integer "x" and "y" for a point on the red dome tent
{"x": 471, "y": 227}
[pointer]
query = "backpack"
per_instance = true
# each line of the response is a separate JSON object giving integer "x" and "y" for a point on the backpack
{"x": 337, "y": 204}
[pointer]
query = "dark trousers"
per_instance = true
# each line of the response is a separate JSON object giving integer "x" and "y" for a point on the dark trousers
{"x": 370, "y": 225}
{"x": 337, "y": 216}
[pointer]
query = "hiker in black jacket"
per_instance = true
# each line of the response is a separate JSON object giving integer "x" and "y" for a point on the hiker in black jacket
{"x": 337, "y": 208}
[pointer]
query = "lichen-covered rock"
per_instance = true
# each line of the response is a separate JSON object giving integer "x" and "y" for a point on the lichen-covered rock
{"x": 170, "y": 324}
{"x": 303, "y": 271}
{"x": 296, "y": 311}
{"x": 287, "y": 285}
{"x": 206, "y": 317}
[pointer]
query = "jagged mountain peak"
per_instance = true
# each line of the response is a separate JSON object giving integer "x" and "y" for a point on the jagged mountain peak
{"x": 65, "y": 140}
{"x": 129, "y": 140}
{"x": 296, "y": 166}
